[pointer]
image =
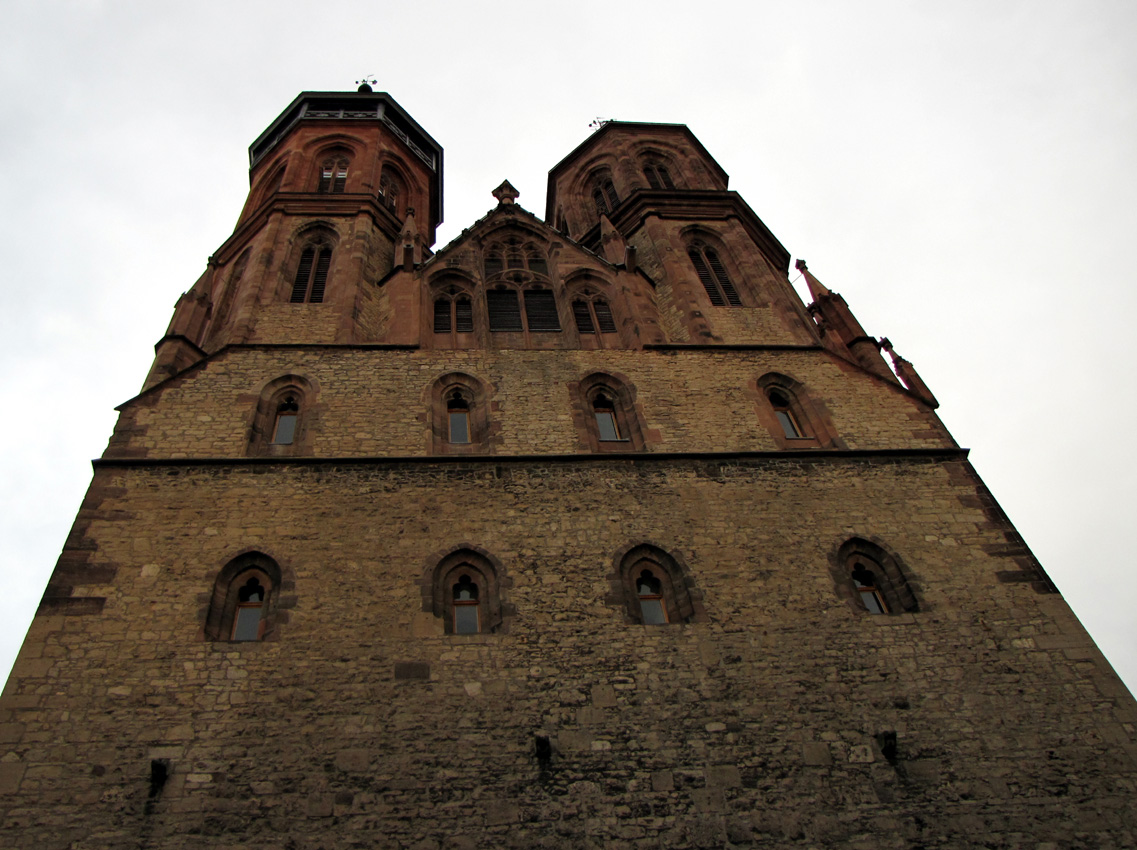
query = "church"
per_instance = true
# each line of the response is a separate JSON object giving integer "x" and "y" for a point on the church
{"x": 583, "y": 531}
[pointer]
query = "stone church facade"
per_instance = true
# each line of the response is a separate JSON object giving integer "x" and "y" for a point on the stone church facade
{"x": 583, "y": 532}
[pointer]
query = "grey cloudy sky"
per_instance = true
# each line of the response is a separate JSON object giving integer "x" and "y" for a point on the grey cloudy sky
{"x": 962, "y": 173}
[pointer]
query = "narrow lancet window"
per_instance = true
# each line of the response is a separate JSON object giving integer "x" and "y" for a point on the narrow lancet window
{"x": 466, "y": 619}
{"x": 250, "y": 606}
{"x": 649, "y": 589}
{"x": 866, "y": 583}
{"x": 284, "y": 428}
{"x": 605, "y": 411}
{"x": 458, "y": 415}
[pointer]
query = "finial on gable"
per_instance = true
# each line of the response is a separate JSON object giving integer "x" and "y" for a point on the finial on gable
{"x": 505, "y": 193}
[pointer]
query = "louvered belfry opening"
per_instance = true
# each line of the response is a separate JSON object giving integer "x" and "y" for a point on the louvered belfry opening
{"x": 541, "y": 310}
{"x": 312, "y": 275}
{"x": 658, "y": 176}
{"x": 504, "y": 309}
{"x": 712, "y": 274}
{"x": 592, "y": 314}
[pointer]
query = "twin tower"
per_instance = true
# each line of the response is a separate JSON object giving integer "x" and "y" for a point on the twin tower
{"x": 575, "y": 532}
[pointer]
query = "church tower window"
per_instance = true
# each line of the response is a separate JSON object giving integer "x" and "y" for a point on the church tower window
{"x": 713, "y": 275}
{"x": 311, "y": 275}
{"x": 333, "y": 176}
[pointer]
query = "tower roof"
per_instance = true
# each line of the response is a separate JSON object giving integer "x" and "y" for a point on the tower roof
{"x": 356, "y": 106}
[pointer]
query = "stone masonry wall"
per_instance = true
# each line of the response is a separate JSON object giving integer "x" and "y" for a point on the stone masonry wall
{"x": 768, "y": 722}
{"x": 375, "y": 402}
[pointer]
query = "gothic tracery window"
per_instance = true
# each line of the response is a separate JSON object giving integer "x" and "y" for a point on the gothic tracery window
{"x": 333, "y": 175}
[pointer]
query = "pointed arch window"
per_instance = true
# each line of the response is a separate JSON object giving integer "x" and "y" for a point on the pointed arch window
{"x": 607, "y": 419}
{"x": 653, "y": 588}
{"x": 245, "y": 603}
{"x": 460, "y": 415}
{"x": 333, "y": 175}
{"x": 311, "y": 275}
{"x": 494, "y": 263}
{"x": 464, "y": 590}
{"x": 713, "y": 275}
{"x": 541, "y": 310}
{"x": 658, "y": 177}
{"x": 872, "y": 579}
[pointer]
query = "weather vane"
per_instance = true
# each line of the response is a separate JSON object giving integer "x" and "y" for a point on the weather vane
{"x": 367, "y": 82}
{"x": 600, "y": 122}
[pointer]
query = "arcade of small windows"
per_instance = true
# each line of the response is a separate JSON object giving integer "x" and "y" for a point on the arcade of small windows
{"x": 333, "y": 176}
{"x": 311, "y": 275}
{"x": 713, "y": 275}
{"x": 513, "y": 257}
{"x": 658, "y": 176}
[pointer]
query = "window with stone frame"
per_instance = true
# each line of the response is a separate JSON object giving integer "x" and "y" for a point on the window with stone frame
{"x": 333, "y": 175}
{"x": 453, "y": 311}
{"x": 608, "y": 419}
{"x": 873, "y": 579}
{"x": 460, "y": 420}
{"x": 794, "y": 419}
{"x": 713, "y": 275}
{"x": 653, "y": 588}
{"x": 464, "y": 589}
{"x": 245, "y": 604}
{"x": 280, "y": 423}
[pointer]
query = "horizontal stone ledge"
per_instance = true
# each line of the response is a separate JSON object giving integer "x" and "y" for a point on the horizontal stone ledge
{"x": 818, "y": 455}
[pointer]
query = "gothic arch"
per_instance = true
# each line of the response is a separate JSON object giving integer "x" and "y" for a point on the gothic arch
{"x": 454, "y": 397}
{"x": 893, "y": 581}
{"x": 223, "y": 610}
{"x": 283, "y": 421}
{"x": 793, "y": 417}
{"x": 605, "y": 414}
{"x": 676, "y": 596}
{"x": 467, "y": 565}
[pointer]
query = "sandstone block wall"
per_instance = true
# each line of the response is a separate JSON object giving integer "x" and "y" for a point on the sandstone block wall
{"x": 782, "y": 716}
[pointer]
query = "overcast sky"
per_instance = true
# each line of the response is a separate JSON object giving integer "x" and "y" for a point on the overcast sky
{"x": 963, "y": 174}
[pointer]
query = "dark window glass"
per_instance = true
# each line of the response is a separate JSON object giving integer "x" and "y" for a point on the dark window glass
{"x": 493, "y": 264}
{"x": 781, "y": 404}
{"x": 652, "y": 177}
{"x": 865, "y": 582}
{"x": 650, "y": 592}
{"x": 284, "y": 428}
{"x": 247, "y": 618}
{"x": 604, "y": 320}
{"x": 608, "y": 428}
{"x": 458, "y": 413}
{"x": 504, "y": 310}
{"x": 514, "y": 261}
{"x": 463, "y": 316}
{"x": 466, "y": 621}
{"x": 537, "y": 265}
{"x": 664, "y": 177}
{"x": 583, "y": 317}
{"x": 541, "y": 310}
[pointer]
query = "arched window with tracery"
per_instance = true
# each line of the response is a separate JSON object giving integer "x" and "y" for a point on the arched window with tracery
{"x": 281, "y": 422}
{"x": 713, "y": 275}
{"x": 872, "y": 579}
{"x": 464, "y": 589}
{"x": 333, "y": 175}
{"x": 653, "y": 588}
{"x": 311, "y": 278}
{"x": 460, "y": 415}
{"x": 246, "y": 602}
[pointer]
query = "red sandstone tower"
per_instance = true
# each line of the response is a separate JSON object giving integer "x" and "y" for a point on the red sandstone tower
{"x": 583, "y": 532}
